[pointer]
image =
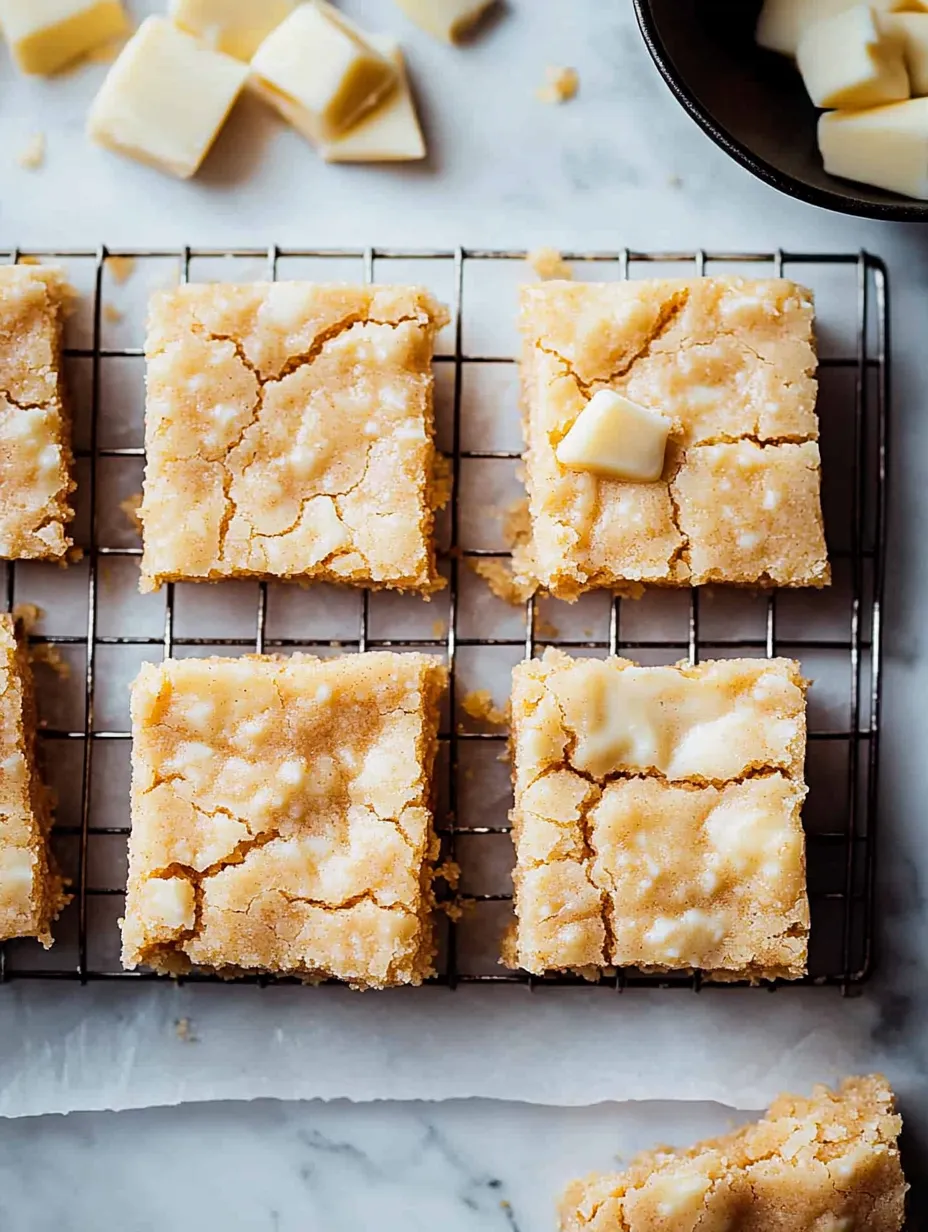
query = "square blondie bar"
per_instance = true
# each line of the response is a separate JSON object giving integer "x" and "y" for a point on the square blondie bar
{"x": 31, "y": 892}
{"x": 35, "y": 427}
{"x": 732, "y": 363}
{"x": 281, "y": 817}
{"x": 829, "y": 1163}
{"x": 291, "y": 425}
{"x": 657, "y": 817}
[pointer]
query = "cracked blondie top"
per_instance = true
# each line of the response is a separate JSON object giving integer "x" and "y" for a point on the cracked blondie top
{"x": 31, "y": 892}
{"x": 35, "y": 427}
{"x": 281, "y": 817}
{"x": 829, "y": 1163}
{"x": 292, "y": 424}
{"x": 732, "y": 362}
{"x": 657, "y": 817}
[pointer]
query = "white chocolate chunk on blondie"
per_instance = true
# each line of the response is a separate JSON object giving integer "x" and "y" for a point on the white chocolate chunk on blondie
{"x": 235, "y": 27}
{"x": 294, "y": 421}
{"x": 616, "y": 439}
{"x": 44, "y": 37}
{"x": 281, "y": 817}
{"x": 657, "y": 817}
{"x": 828, "y": 1163}
{"x": 165, "y": 99}
{"x": 321, "y": 72}
{"x": 31, "y": 892}
{"x": 35, "y": 426}
{"x": 730, "y": 362}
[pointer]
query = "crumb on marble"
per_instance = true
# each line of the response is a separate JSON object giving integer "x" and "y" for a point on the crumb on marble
{"x": 32, "y": 156}
{"x": 48, "y": 655}
{"x": 130, "y": 507}
{"x": 545, "y": 628}
{"x": 121, "y": 269}
{"x": 111, "y": 314}
{"x": 479, "y": 705}
{"x": 561, "y": 84}
{"x": 183, "y": 1028}
{"x": 548, "y": 263}
{"x": 28, "y": 259}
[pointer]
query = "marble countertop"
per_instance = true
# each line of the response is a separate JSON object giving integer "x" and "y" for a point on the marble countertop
{"x": 621, "y": 165}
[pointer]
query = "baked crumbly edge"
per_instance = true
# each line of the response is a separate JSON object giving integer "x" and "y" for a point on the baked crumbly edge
{"x": 51, "y": 897}
{"x": 569, "y": 582}
{"x": 166, "y": 959}
{"x": 381, "y": 308}
{"x": 555, "y": 660}
{"x": 60, "y": 297}
{"x": 846, "y": 1139}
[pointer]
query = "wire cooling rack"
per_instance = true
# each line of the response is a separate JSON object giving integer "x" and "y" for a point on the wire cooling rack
{"x": 102, "y": 629}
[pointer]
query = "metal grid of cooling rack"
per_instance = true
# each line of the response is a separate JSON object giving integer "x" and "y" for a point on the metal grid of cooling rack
{"x": 844, "y": 911}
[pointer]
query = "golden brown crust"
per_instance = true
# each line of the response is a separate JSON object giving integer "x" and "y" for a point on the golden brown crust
{"x": 31, "y": 891}
{"x": 35, "y": 427}
{"x": 281, "y": 817}
{"x": 829, "y": 1163}
{"x": 293, "y": 424}
{"x": 732, "y": 362}
{"x": 657, "y": 817}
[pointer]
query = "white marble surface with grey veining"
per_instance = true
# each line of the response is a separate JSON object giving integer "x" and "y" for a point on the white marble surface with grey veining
{"x": 621, "y": 165}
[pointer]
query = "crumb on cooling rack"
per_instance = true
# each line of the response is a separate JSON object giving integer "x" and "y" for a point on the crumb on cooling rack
{"x": 28, "y": 259}
{"x": 121, "y": 269}
{"x": 28, "y": 614}
{"x": 47, "y": 655}
{"x": 111, "y": 314}
{"x": 548, "y": 264}
{"x": 449, "y": 872}
{"x": 32, "y": 156}
{"x": 440, "y": 628}
{"x": 442, "y": 481}
{"x": 479, "y": 705}
{"x": 500, "y": 578}
{"x": 545, "y": 628}
{"x": 130, "y": 507}
{"x": 561, "y": 84}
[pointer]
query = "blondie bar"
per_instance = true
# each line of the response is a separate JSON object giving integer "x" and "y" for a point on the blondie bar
{"x": 732, "y": 363}
{"x": 35, "y": 429}
{"x": 292, "y": 424}
{"x": 31, "y": 892}
{"x": 657, "y": 817}
{"x": 281, "y": 817}
{"x": 829, "y": 1163}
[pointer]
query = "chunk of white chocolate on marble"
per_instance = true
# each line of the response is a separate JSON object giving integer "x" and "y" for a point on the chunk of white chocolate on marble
{"x": 321, "y": 72}
{"x": 45, "y": 35}
{"x": 391, "y": 132}
{"x": 849, "y": 61}
{"x": 449, "y": 20}
{"x": 165, "y": 99}
{"x": 616, "y": 438}
{"x": 236, "y": 27}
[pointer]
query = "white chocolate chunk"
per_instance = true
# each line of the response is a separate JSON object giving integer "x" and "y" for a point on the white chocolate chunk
{"x": 169, "y": 904}
{"x": 884, "y": 146}
{"x": 321, "y": 72}
{"x": 391, "y": 132}
{"x": 45, "y": 35}
{"x": 616, "y": 438}
{"x": 849, "y": 61}
{"x": 782, "y": 23}
{"x": 237, "y": 27}
{"x": 449, "y": 20}
{"x": 165, "y": 98}
{"x": 912, "y": 29}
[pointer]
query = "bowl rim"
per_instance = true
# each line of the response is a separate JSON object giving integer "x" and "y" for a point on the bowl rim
{"x": 823, "y": 197}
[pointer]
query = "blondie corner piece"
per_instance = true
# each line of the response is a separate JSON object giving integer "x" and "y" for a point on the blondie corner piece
{"x": 35, "y": 427}
{"x": 31, "y": 893}
{"x": 289, "y": 433}
{"x": 281, "y": 817}
{"x": 732, "y": 362}
{"x": 829, "y": 1163}
{"x": 657, "y": 817}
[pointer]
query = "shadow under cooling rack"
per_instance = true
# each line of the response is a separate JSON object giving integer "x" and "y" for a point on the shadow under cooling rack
{"x": 103, "y": 629}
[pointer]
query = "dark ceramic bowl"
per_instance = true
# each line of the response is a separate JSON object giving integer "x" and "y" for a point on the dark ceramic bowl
{"x": 752, "y": 102}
